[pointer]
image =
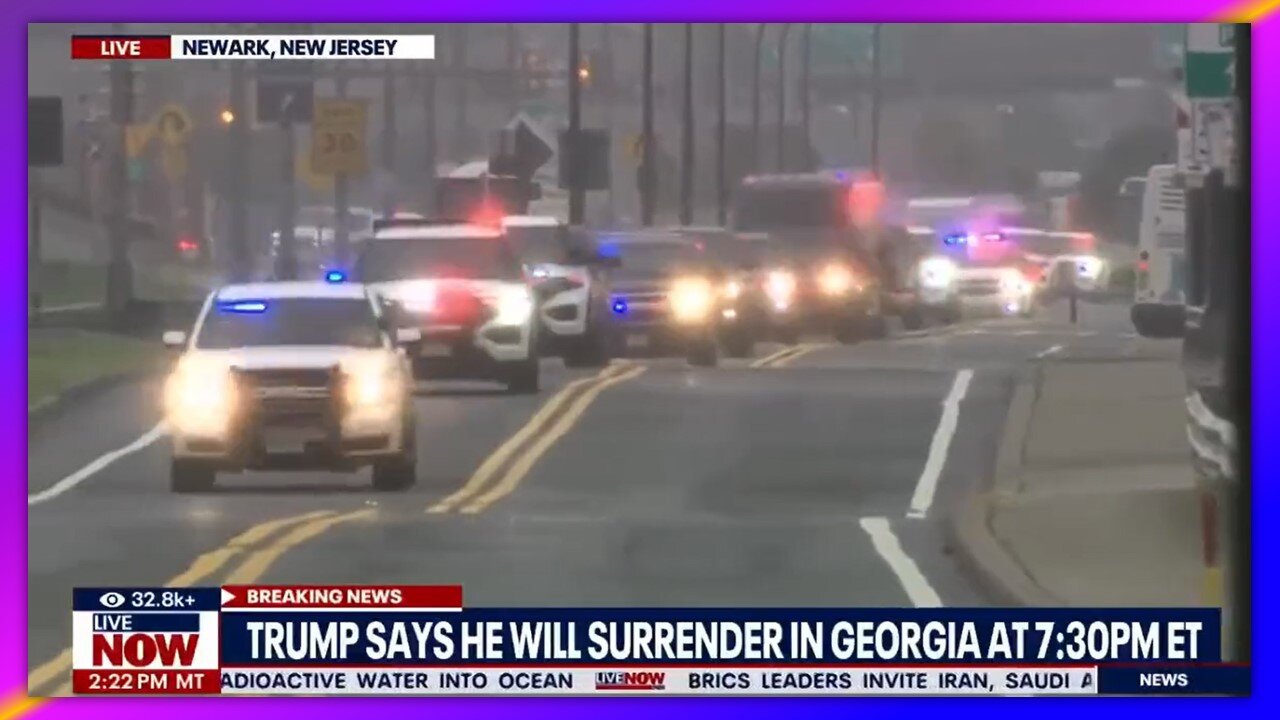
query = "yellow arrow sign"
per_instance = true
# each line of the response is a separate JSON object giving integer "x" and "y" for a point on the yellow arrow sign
{"x": 338, "y": 137}
{"x": 173, "y": 124}
{"x": 306, "y": 172}
{"x": 173, "y": 160}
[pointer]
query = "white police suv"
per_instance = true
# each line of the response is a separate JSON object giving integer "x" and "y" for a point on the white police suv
{"x": 462, "y": 286}
{"x": 291, "y": 376}
{"x": 572, "y": 304}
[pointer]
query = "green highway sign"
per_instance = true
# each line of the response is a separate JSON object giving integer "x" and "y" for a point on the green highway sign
{"x": 1210, "y": 75}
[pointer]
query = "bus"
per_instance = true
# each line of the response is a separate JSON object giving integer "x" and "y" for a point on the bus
{"x": 1159, "y": 307}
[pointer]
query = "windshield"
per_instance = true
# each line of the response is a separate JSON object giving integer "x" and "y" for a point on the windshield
{"x": 641, "y": 259}
{"x": 347, "y": 322}
{"x": 1047, "y": 245}
{"x": 327, "y": 217}
{"x": 539, "y": 244}
{"x": 773, "y": 208}
{"x": 412, "y": 258}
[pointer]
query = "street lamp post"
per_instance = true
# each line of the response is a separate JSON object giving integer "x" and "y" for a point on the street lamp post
{"x": 755, "y": 97}
{"x": 722, "y": 189}
{"x": 875, "y": 100}
{"x": 647, "y": 155}
{"x": 686, "y": 138}
{"x": 577, "y": 196}
{"x": 806, "y": 69}
{"x": 782, "y": 97}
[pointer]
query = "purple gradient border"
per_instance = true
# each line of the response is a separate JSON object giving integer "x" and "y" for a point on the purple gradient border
{"x": 13, "y": 520}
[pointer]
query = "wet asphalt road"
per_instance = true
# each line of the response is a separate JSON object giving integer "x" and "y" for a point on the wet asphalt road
{"x": 647, "y": 484}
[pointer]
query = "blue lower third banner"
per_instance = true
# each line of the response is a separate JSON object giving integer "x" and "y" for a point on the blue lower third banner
{"x": 1175, "y": 680}
{"x": 768, "y": 637}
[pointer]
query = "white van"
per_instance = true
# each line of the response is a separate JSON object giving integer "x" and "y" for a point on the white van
{"x": 1159, "y": 304}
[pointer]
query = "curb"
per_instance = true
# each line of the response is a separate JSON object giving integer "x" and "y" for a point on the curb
{"x": 979, "y": 551}
{"x": 50, "y": 407}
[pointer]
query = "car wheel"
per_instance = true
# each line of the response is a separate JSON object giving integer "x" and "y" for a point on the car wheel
{"x": 589, "y": 351}
{"x": 522, "y": 378}
{"x": 397, "y": 474}
{"x": 913, "y": 318}
{"x": 191, "y": 476}
{"x": 739, "y": 344}
{"x": 704, "y": 354}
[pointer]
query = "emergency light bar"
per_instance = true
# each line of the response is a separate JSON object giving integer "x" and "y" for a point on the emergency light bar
{"x": 391, "y": 223}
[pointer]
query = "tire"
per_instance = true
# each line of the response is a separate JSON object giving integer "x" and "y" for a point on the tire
{"x": 589, "y": 351}
{"x": 787, "y": 335}
{"x": 952, "y": 314}
{"x": 397, "y": 474}
{"x": 704, "y": 353}
{"x": 522, "y": 377}
{"x": 913, "y": 318}
{"x": 739, "y": 344}
{"x": 187, "y": 476}
{"x": 1154, "y": 321}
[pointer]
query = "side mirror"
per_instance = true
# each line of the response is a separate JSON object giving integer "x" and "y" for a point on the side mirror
{"x": 174, "y": 339}
{"x": 408, "y": 335}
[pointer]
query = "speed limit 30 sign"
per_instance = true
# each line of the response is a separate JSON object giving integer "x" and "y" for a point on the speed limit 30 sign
{"x": 338, "y": 137}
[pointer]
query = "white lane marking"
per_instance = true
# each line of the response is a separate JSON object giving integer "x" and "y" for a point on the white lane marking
{"x": 97, "y": 465}
{"x": 1048, "y": 351}
{"x": 928, "y": 482}
{"x": 918, "y": 589}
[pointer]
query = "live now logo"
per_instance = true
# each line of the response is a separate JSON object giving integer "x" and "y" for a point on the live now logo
{"x": 120, "y": 47}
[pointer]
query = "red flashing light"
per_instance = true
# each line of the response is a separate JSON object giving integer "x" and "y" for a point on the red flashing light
{"x": 1143, "y": 266}
{"x": 187, "y": 245}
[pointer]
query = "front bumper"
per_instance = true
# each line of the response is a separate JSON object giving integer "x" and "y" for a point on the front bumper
{"x": 565, "y": 314}
{"x": 303, "y": 433}
{"x": 995, "y": 304}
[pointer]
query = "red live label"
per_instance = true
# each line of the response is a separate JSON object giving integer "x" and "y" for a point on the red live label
{"x": 142, "y": 649}
{"x": 120, "y": 47}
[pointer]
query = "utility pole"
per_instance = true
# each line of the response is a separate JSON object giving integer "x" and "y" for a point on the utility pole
{"x": 755, "y": 97}
{"x": 237, "y": 180}
{"x": 389, "y": 140}
{"x": 287, "y": 259}
{"x": 119, "y": 269}
{"x": 722, "y": 186}
{"x": 432, "y": 157}
{"x": 341, "y": 192}
{"x": 577, "y": 196}
{"x": 782, "y": 97}
{"x": 608, "y": 89}
{"x": 875, "y": 100}
{"x": 686, "y": 136}
{"x": 461, "y": 133}
{"x": 806, "y": 71}
{"x": 648, "y": 175}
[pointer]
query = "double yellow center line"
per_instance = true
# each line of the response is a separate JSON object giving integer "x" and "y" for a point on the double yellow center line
{"x": 786, "y": 355}
{"x": 503, "y": 470}
{"x": 259, "y": 550}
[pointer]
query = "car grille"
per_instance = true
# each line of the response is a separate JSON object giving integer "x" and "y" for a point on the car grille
{"x": 288, "y": 378}
{"x": 985, "y": 286}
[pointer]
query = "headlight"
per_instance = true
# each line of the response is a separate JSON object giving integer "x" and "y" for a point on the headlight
{"x": 836, "y": 279}
{"x": 691, "y": 299}
{"x": 1089, "y": 267}
{"x": 200, "y": 397}
{"x": 780, "y": 286}
{"x": 733, "y": 289}
{"x": 371, "y": 383}
{"x": 514, "y": 306}
{"x": 937, "y": 272}
{"x": 418, "y": 297}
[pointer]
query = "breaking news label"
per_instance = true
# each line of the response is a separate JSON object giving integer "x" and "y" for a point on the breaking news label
{"x": 419, "y": 640}
{"x": 253, "y": 47}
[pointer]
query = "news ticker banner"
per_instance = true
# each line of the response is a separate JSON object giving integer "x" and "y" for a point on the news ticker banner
{"x": 253, "y": 47}
{"x": 419, "y": 640}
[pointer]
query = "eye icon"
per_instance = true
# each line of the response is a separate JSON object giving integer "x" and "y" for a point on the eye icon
{"x": 111, "y": 599}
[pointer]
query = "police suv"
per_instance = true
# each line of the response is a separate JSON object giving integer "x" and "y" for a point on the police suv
{"x": 290, "y": 376}
{"x": 462, "y": 287}
{"x": 570, "y": 290}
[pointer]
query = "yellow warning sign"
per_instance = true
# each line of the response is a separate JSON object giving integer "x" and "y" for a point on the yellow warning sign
{"x": 173, "y": 160}
{"x": 316, "y": 181}
{"x": 173, "y": 124}
{"x": 137, "y": 137}
{"x": 338, "y": 137}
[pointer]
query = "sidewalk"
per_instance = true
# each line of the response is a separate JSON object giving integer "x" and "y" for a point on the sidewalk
{"x": 1093, "y": 501}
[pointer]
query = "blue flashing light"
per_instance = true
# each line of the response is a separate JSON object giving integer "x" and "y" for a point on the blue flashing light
{"x": 245, "y": 306}
{"x": 620, "y": 306}
{"x": 955, "y": 239}
{"x": 609, "y": 250}
{"x": 841, "y": 175}
{"x": 335, "y": 276}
